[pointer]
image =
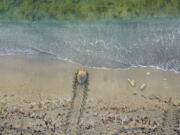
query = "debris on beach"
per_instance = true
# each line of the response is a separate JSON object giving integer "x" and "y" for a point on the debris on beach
{"x": 176, "y": 103}
{"x": 132, "y": 83}
{"x": 143, "y": 86}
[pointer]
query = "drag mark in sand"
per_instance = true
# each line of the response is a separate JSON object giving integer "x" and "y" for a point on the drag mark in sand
{"x": 170, "y": 120}
{"x": 137, "y": 130}
{"x": 22, "y": 131}
{"x": 78, "y": 101}
{"x": 170, "y": 123}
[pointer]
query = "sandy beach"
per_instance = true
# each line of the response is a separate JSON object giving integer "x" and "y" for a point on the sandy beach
{"x": 130, "y": 98}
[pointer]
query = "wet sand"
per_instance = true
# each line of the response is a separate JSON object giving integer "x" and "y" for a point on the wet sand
{"x": 31, "y": 82}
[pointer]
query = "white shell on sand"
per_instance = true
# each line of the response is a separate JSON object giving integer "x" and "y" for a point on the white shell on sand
{"x": 148, "y": 73}
{"x": 143, "y": 86}
{"x": 132, "y": 82}
{"x": 177, "y": 103}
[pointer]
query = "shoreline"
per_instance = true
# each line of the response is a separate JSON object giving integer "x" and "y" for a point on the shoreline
{"x": 69, "y": 61}
{"x": 37, "y": 90}
{"x": 34, "y": 72}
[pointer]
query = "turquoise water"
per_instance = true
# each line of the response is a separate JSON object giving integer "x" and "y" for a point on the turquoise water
{"x": 110, "y": 45}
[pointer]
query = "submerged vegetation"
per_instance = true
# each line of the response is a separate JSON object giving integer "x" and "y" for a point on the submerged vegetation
{"x": 34, "y": 10}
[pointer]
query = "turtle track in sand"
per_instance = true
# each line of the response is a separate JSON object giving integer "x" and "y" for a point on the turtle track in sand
{"x": 170, "y": 123}
{"x": 170, "y": 120}
{"x": 78, "y": 101}
{"x": 137, "y": 130}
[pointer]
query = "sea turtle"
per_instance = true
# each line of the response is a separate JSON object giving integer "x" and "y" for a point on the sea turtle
{"x": 82, "y": 76}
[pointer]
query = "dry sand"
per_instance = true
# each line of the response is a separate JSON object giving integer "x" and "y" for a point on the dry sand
{"x": 32, "y": 83}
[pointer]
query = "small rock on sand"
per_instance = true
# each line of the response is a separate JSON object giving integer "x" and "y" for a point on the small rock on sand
{"x": 143, "y": 86}
{"x": 132, "y": 83}
{"x": 148, "y": 73}
{"x": 135, "y": 93}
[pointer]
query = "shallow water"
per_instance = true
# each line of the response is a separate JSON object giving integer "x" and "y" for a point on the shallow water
{"x": 109, "y": 45}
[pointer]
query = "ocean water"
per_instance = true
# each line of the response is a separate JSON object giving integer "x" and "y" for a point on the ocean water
{"x": 108, "y": 45}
